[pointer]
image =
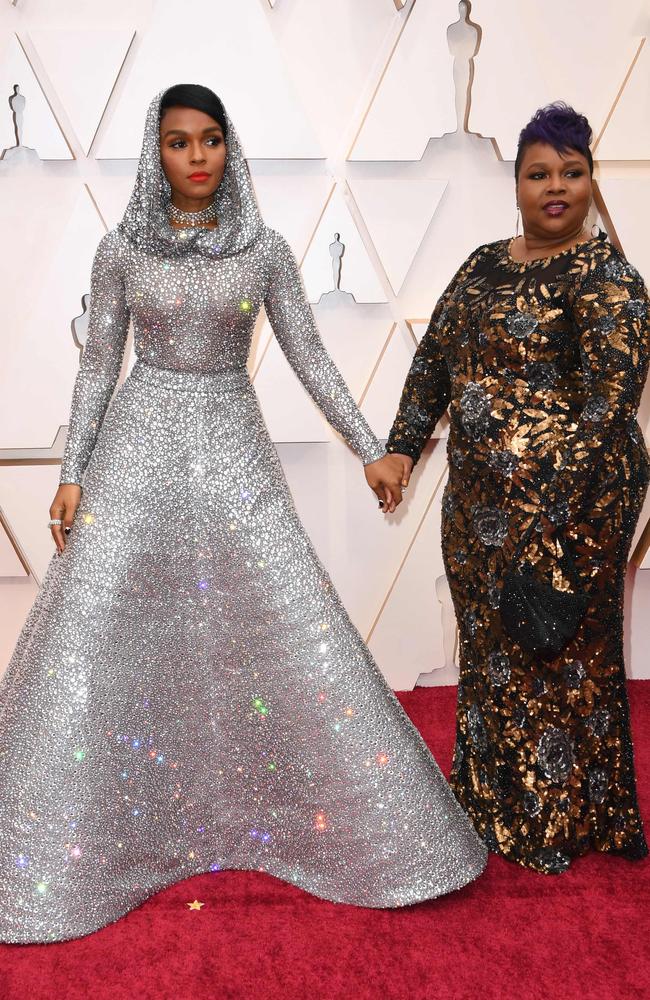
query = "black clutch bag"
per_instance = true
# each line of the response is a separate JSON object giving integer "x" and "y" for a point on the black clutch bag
{"x": 538, "y": 617}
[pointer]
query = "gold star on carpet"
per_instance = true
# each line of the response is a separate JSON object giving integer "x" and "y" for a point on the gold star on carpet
{"x": 195, "y": 905}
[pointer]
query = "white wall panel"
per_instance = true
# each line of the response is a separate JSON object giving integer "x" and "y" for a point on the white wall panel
{"x": 40, "y": 130}
{"x": 72, "y": 56}
{"x": 626, "y": 135}
{"x": 26, "y": 493}
{"x": 397, "y": 214}
{"x": 52, "y": 247}
{"x": 407, "y": 651}
{"x": 228, "y": 47}
{"x": 333, "y": 50}
{"x": 415, "y": 97}
{"x": 530, "y": 55}
{"x": 358, "y": 276}
{"x": 10, "y": 564}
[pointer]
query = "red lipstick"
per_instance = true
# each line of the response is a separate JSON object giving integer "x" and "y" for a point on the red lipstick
{"x": 199, "y": 175}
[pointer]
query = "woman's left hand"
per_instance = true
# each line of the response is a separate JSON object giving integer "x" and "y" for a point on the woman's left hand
{"x": 387, "y": 477}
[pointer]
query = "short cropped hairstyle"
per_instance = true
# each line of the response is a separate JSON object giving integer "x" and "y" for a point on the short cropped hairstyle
{"x": 561, "y": 127}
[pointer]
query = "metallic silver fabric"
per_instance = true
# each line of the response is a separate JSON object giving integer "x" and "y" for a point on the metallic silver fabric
{"x": 188, "y": 693}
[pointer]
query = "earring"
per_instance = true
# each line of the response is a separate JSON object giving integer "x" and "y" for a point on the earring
{"x": 597, "y": 229}
{"x": 518, "y": 220}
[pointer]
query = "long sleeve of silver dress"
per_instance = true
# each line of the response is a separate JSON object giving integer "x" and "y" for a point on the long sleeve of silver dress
{"x": 101, "y": 360}
{"x": 188, "y": 693}
{"x": 293, "y": 323}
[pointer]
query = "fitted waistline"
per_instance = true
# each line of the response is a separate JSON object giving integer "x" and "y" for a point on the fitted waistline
{"x": 227, "y": 380}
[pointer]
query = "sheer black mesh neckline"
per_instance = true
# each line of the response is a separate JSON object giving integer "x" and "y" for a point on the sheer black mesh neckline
{"x": 495, "y": 265}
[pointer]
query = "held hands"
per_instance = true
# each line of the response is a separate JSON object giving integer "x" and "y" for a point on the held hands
{"x": 64, "y": 506}
{"x": 387, "y": 477}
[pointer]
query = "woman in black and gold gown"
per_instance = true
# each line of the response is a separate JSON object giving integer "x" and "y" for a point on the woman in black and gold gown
{"x": 540, "y": 348}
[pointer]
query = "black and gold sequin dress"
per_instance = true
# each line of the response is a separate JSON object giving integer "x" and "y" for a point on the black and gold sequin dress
{"x": 542, "y": 365}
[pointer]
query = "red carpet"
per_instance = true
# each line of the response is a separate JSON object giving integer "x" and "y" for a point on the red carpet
{"x": 512, "y": 934}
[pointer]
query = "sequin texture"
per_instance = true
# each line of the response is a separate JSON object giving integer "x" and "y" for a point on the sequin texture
{"x": 188, "y": 693}
{"x": 542, "y": 392}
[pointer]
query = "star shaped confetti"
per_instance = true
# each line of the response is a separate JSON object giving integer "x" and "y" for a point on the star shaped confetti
{"x": 195, "y": 905}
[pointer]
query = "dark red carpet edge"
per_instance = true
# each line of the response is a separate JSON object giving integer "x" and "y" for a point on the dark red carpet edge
{"x": 512, "y": 934}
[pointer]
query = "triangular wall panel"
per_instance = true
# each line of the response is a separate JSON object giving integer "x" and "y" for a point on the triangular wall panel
{"x": 40, "y": 129}
{"x": 26, "y": 493}
{"x": 627, "y": 133}
{"x": 397, "y": 214}
{"x": 415, "y": 97}
{"x": 228, "y": 47}
{"x": 406, "y": 652}
{"x": 10, "y": 564}
{"x": 531, "y": 75}
{"x": 73, "y": 57}
{"x": 52, "y": 252}
{"x": 358, "y": 275}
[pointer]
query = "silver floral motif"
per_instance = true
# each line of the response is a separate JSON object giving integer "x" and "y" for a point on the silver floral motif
{"x": 637, "y": 308}
{"x": 616, "y": 268}
{"x": 558, "y": 512}
{"x": 541, "y": 375}
{"x": 519, "y": 716}
{"x": 476, "y": 727}
{"x": 598, "y": 722}
{"x": 494, "y": 594}
{"x": 491, "y": 525}
{"x": 499, "y": 668}
{"x": 587, "y": 374}
{"x": 417, "y": 416}
{"x": 598, "y": 784}
{"x": 521, "y": 325}
{"x": 505, "y": 462}
{"x": 532, "y": 803}
{"x": 552, "y": 860}
{"x": 606, "y": 323}
{"x": 555, "y": 754}
{"x": 471, "y": 622}
{"x": 633, "y": 430}
{"x": 475, "y": 405}
{"x": 574, "y": 674}
{"x": 595, "y": 409}
{"x": 448, "y": 503}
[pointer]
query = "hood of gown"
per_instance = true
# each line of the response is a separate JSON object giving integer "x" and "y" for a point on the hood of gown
{"x": 146, "y": 224}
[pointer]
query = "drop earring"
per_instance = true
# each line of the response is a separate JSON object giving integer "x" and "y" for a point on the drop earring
{"x": 517, "y": 225}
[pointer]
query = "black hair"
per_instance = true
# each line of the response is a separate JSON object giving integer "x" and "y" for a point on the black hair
{"x": 193, "y": 95}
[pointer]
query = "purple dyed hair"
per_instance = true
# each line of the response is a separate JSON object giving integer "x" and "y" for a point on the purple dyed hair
{"x": 561, "y": 127}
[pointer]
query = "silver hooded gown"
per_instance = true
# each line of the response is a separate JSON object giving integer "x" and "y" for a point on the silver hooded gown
{"x": 188, "y": 694}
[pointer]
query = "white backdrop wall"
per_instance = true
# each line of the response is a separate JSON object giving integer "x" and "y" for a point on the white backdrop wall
{"x": 392, "y": 124}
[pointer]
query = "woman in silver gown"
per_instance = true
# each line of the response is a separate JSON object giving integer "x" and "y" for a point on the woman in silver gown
{"x": 188, "y": 693}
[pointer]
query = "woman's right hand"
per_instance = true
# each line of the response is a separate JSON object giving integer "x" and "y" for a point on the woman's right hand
{"x": 64, "y": 506}
{"x": 387, "y": 477}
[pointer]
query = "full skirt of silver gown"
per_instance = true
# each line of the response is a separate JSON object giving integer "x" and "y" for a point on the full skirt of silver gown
{"x": 188, "y": 693}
